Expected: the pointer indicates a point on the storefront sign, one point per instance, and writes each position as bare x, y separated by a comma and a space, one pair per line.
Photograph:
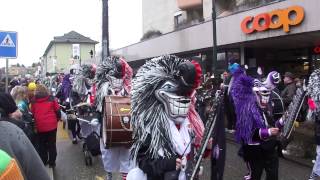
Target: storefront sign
276, 19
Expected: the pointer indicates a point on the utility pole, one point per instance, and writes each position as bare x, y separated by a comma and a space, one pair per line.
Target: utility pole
105, 30
219, 138
7, 75
214, 35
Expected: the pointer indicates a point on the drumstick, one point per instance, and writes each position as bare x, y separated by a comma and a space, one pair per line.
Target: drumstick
84, 120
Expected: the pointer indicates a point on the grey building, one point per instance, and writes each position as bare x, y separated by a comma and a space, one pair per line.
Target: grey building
274, 34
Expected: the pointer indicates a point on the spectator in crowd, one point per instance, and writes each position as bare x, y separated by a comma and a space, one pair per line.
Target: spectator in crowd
298, 82
289, 90
45, 109
31, 88
13, 83
229, 110
287, 95
10, 112
207, 76
19, 152
20, 95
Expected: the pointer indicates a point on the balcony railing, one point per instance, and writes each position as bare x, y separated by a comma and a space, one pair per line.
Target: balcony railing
189, 4
185, 24
227, 7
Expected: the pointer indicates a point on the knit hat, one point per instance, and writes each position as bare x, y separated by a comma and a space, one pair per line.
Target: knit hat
9, 169
7, 104
233, 67
32, 86
289, 75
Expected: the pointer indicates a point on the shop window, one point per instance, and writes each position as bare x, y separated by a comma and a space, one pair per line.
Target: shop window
221, 56
233, 56
194, 16
222, 61
316, 61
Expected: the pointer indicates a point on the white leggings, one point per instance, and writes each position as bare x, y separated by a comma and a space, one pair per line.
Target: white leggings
316, 166
116, 159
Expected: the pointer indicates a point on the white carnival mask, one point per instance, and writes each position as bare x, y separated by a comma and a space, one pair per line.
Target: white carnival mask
176, 106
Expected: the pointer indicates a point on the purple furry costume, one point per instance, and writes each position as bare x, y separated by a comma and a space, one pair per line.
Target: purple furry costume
255, 124
248, 113
66, 86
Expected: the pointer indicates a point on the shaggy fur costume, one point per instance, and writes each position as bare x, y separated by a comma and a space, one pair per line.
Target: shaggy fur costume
248, 113
149, 118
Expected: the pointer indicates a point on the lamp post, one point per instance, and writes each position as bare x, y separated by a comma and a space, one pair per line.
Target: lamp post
105, 30
214, 35
219, 138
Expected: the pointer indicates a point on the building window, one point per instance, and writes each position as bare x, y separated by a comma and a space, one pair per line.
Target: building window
178, 19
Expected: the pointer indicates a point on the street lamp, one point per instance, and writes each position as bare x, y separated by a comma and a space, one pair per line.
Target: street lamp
214, 36
105, 30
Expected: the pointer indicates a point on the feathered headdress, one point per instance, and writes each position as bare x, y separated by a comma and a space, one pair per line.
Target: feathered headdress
148, 115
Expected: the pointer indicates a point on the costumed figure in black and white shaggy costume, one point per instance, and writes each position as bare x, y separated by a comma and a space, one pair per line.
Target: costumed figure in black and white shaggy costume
165, 124
256, 130
113, 78
314, 106
81, 87
82, 83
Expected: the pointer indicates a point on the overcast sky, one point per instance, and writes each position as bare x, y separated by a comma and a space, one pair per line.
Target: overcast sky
38, 21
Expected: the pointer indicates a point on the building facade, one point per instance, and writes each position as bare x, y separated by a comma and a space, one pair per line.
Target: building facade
67, 50
281, 35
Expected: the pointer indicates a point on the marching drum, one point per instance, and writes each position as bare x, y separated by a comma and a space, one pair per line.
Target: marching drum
117, 130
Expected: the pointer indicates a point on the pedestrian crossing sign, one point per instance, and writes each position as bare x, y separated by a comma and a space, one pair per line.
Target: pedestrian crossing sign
8, 44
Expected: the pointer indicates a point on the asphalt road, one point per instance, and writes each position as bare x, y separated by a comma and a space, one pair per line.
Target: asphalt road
71, 165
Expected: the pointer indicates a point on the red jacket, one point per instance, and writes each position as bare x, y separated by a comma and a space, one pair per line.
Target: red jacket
45, 111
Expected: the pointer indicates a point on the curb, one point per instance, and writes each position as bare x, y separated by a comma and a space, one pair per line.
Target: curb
50, 172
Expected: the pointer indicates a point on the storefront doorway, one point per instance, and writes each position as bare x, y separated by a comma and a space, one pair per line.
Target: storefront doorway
297, 61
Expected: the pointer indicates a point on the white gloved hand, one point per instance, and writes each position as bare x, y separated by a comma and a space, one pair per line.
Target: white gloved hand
94, 122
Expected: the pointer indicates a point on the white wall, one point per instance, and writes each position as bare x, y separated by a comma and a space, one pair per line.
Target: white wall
207, 9
228, 32
194, 37
158, 15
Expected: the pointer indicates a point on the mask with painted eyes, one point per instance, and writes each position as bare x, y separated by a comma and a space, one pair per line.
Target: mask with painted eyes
176, 106
262, 93
273, 79
117, 70
116, 83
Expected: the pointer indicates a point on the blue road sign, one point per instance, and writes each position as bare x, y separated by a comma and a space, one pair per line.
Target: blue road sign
8, 44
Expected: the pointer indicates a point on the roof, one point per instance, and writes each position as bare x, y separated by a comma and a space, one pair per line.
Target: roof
72, 37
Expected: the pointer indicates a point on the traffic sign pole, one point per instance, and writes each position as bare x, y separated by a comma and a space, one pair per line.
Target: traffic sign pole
8, 50
7, 74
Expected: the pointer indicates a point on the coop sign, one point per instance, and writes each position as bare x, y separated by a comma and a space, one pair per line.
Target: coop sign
280, 18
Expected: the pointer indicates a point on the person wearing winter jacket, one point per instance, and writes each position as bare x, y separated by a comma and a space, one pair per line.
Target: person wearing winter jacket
10, 112
18, 158
46, 111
